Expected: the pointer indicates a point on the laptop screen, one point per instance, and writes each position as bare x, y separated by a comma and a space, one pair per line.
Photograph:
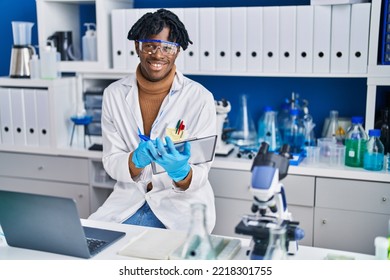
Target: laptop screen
47, 223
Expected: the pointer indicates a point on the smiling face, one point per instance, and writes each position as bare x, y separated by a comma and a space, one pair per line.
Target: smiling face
155, 67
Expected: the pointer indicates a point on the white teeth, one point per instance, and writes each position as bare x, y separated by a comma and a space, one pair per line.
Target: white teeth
157, 65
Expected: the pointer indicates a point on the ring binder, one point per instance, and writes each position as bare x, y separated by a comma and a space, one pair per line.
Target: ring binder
385, 51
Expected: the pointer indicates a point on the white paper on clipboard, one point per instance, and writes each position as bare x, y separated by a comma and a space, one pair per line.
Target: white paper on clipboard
202, 150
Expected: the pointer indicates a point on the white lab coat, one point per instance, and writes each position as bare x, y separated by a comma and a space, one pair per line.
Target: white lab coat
121, 117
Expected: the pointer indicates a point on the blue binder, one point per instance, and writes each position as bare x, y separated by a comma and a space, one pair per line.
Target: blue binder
385, 51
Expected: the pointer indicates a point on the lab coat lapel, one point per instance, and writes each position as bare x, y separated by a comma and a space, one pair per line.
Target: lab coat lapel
132, 101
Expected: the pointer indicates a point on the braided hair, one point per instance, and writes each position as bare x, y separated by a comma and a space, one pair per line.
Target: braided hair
153, 23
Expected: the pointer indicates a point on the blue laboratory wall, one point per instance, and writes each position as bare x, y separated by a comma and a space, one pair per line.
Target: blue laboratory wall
347, 95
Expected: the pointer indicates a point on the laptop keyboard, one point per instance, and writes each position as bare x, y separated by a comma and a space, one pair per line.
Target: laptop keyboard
95, 244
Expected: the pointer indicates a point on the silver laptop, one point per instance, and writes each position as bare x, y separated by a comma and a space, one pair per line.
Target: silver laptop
50, 224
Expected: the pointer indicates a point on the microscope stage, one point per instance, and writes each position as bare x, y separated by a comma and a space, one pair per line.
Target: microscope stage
224, 150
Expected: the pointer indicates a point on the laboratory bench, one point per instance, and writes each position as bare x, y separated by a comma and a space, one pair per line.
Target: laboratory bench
339, 208
342, 209
133, 232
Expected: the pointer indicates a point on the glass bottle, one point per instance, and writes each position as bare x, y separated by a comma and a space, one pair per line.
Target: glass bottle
309, 135
245, 132
294, 132
283, 117
374, 153
277, 246
198, 244
355, 143
383, 124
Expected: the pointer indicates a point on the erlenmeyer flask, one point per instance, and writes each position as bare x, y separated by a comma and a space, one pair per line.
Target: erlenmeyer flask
198, 244
245, 131
277, 247
268, 129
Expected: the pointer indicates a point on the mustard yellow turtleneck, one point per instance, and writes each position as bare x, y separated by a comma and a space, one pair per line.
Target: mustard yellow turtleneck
151, 96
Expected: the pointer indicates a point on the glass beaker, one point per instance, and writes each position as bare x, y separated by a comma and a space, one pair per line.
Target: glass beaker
21, 31
277, 247
245, 131
198, 244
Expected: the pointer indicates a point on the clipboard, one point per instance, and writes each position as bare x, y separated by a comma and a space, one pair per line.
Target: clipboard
202, 150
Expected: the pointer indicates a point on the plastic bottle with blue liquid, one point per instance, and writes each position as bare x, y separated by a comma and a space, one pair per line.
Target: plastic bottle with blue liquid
374, 152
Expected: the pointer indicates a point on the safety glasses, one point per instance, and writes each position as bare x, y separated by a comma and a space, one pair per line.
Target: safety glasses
151, 46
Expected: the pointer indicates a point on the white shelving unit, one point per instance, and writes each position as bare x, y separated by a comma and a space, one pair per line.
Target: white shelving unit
57, 15
64, 15
60, 97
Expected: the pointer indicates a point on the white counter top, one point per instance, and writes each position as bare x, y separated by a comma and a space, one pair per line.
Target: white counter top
320, 170
12, 253
229, 162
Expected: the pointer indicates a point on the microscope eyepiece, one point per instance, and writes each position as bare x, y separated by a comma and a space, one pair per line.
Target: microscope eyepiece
264, 148
285, 151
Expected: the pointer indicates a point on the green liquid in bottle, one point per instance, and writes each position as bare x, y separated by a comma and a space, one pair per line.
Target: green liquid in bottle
354, 152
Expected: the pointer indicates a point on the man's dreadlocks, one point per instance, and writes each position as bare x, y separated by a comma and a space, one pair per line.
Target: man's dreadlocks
152, 24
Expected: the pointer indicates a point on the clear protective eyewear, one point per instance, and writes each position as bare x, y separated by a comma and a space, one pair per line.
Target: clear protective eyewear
151, 46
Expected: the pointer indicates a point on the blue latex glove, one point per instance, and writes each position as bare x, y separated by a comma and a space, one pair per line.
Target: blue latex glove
174, 162
144, 154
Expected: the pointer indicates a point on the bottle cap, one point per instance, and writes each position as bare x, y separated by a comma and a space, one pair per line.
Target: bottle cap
357, 119
267, 108
294, 112
90, 32
374, 132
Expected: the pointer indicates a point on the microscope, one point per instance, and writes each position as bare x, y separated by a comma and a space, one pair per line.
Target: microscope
269, 203
223, 108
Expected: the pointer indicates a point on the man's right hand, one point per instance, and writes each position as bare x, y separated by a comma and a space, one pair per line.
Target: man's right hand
144, 154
